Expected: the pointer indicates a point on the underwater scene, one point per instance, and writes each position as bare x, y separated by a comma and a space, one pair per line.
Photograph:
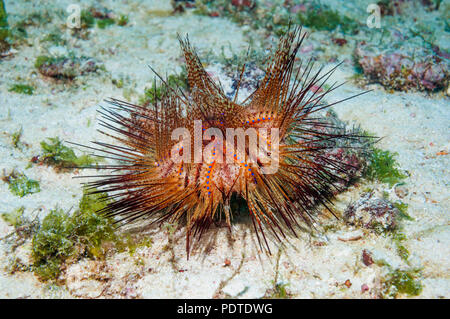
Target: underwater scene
224, 149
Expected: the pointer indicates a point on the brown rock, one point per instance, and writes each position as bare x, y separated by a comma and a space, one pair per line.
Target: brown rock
367, 258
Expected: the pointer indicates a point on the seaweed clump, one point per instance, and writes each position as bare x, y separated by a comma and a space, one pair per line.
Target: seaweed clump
97, 16
275, 17
15, 217
63, 238
55, 37
20, 185
22, 89
61, 157
175, 81
402, 282
384, 168
385, 218
4, 28
16, 139
324, 18
102, 17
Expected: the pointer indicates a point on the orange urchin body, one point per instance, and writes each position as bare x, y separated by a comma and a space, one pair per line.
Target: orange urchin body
149, 182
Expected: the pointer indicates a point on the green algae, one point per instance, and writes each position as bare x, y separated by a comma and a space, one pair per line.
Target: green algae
118, 83
276, 18
22, 89
123, 20
103, 23
403, 210
52, 244
87, 20
403, 252
15, 217
48, 61
18, 30
277, 292
384, 168
245, 14
54, 37
4, 28
92, 229
20, 185
93, 202
327, 19
130, 244
15, 138
39, 17
43, 60
402, 282
155, 93
399, 239
3, 21
63, 238
54, 153
18, 34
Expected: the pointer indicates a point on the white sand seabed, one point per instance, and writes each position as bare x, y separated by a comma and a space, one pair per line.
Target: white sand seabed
414, 125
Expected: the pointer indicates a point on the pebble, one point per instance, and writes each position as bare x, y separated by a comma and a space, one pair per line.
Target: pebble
348, 283
364, 288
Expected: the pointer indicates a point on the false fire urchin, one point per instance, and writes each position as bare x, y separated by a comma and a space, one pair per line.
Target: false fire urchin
149, 181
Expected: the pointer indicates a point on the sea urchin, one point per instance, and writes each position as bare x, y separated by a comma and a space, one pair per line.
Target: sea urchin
281, 176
